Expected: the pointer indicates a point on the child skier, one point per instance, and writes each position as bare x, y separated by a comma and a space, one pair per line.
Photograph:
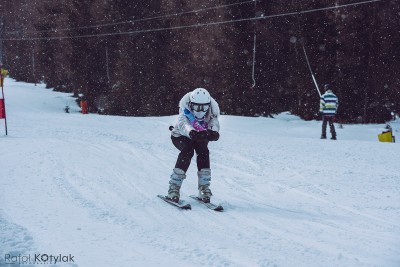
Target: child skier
197, 125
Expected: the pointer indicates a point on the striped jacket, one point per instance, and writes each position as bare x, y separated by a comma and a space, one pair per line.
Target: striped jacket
329, 104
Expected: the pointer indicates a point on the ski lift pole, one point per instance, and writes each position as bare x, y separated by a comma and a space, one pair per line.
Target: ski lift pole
254, 61
312, 75
254, 48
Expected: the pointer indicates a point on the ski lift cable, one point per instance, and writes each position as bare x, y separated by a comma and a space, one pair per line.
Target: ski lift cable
312, 74
135, 20
188, 12
189, 26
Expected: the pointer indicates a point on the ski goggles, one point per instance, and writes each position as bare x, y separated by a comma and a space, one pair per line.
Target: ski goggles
199, 107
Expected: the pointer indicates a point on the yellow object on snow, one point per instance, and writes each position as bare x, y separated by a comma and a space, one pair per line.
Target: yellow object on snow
385, 137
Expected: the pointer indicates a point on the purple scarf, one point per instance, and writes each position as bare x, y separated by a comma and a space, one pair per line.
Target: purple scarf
197, 125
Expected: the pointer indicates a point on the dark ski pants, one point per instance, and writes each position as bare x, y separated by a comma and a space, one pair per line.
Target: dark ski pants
325, 120
187, 147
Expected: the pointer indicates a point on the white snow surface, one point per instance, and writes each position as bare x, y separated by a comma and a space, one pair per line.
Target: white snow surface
86, 185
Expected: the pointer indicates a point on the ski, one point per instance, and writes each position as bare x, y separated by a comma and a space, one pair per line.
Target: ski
208, 205
181, 204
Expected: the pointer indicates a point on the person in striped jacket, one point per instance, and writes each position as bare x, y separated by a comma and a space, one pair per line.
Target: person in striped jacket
328, 107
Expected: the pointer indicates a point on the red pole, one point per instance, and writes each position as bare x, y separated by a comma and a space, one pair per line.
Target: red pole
4, 103
84, 107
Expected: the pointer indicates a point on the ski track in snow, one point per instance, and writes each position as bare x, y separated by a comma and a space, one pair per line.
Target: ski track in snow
87, 186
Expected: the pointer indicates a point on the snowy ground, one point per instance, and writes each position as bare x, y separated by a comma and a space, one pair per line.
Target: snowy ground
86, 185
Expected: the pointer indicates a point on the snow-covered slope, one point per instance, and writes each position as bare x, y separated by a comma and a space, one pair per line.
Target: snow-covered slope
86, 186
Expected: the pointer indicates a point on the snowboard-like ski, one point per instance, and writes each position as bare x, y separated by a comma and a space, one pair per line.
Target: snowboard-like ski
208, 205
181, 204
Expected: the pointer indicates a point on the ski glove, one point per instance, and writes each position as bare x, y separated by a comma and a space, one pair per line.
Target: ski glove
212, 135
198, 136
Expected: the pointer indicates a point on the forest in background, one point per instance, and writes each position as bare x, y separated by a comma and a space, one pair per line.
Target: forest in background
138, 58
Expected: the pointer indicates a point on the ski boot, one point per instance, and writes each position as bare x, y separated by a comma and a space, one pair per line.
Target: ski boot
177, 177
204, 185
323, 136
334, 137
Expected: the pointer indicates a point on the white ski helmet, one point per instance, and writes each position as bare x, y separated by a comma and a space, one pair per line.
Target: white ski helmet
200, 101
200, 96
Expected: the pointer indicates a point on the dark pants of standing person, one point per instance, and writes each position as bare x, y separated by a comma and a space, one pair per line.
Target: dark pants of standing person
187, 147
325, 120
